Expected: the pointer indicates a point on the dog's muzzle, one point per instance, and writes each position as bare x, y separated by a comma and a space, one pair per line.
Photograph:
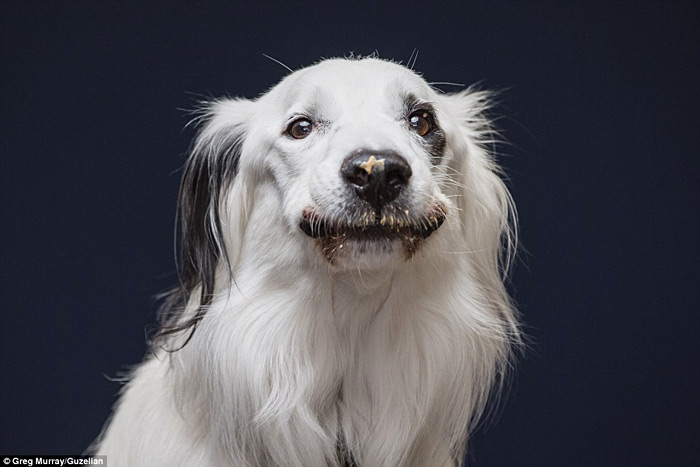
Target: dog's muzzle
378, 214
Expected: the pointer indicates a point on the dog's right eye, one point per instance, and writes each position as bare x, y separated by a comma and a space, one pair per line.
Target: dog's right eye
300, 128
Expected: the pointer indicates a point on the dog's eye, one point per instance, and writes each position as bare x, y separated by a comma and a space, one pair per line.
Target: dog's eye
300, 128
421, 122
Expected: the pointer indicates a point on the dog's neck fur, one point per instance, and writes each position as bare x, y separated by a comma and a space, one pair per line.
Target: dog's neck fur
360, 373
377, 364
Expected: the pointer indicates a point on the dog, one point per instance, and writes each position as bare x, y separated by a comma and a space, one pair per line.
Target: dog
344, 241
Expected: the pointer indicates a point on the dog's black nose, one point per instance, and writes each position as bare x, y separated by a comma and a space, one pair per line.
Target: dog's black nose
377, 177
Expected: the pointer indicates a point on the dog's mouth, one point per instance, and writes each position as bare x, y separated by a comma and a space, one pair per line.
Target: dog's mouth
371, 228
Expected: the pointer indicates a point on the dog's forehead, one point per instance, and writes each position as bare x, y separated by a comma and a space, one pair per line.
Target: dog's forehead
349, 81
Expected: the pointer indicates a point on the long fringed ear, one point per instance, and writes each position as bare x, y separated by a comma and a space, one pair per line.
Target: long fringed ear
209, 174
487, 213
488, 223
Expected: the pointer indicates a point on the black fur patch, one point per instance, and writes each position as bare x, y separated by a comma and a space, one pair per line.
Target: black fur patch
209, 171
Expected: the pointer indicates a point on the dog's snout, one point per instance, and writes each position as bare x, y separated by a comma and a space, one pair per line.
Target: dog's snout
377, 177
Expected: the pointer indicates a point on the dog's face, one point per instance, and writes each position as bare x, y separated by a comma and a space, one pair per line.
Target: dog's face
367, 164
357, 146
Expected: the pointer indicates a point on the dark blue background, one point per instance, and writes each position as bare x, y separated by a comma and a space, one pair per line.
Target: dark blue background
601, 115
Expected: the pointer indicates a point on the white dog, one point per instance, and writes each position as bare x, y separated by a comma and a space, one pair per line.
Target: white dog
341, 302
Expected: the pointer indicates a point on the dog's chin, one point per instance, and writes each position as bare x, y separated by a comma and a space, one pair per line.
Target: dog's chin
370, 240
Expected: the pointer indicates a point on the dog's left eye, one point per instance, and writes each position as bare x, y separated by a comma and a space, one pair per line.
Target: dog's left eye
300, 128
421, 121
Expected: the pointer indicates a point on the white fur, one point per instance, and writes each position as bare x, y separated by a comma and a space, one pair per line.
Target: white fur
396, 356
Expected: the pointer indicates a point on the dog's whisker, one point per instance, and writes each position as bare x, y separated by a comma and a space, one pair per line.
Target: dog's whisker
278, 62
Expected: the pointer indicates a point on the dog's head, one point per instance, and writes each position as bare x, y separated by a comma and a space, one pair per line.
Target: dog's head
359, 162
359, 143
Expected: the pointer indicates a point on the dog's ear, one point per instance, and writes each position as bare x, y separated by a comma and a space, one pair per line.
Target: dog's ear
209, 176
486, 209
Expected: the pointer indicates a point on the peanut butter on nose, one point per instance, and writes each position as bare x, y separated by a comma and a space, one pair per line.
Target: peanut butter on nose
372, 163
